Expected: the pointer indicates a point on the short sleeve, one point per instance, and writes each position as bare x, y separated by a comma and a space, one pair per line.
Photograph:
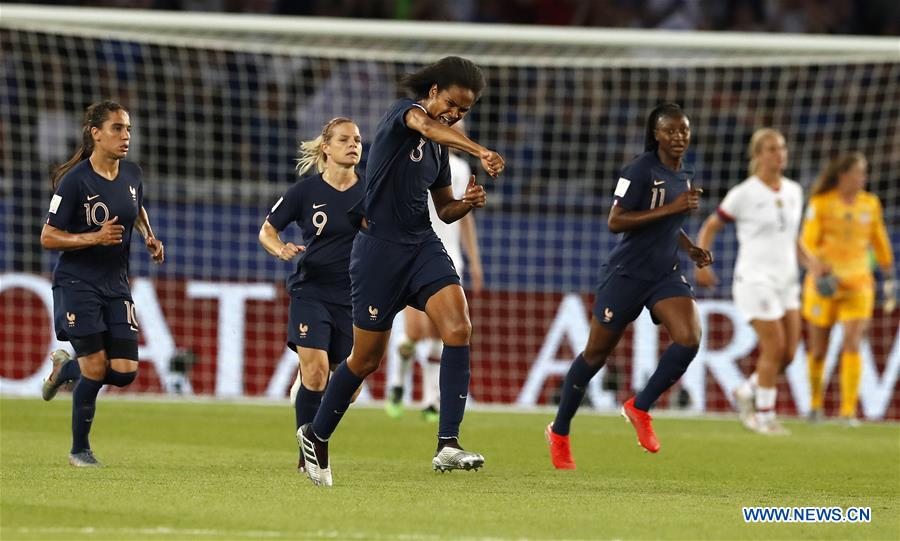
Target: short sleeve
730, 207
443, 177
633, 180
64, 204
398, 113
287, 208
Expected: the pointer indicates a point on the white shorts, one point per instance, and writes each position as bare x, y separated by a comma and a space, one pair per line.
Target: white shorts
765, 301
456, 256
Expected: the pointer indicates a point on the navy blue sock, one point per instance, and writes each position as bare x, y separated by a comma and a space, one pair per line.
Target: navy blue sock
672, 365
306, 405
573, 389
336, 400
69, 371
119, 379
84, 403
454, 383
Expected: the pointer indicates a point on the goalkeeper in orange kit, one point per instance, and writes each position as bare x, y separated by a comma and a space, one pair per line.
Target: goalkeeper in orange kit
843, 224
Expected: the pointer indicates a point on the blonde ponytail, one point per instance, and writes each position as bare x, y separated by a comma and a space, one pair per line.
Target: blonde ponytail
310, 153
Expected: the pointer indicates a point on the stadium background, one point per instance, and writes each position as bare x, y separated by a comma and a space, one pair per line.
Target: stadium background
219, 103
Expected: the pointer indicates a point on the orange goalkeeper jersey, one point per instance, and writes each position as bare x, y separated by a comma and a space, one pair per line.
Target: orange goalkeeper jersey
841, 235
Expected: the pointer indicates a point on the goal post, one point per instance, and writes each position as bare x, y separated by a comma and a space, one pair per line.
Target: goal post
219, 102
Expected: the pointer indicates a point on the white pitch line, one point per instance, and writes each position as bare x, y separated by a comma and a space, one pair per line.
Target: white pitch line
163, 531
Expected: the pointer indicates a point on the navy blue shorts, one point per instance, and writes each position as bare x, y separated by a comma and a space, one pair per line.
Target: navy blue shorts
620, 299
81, 312
386, 277
321, 325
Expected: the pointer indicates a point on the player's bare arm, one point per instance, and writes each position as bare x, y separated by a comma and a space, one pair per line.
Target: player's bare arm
450, 209
109, 234
700, 256
154, 245
621, 220
442, 134
271, 241
711, 226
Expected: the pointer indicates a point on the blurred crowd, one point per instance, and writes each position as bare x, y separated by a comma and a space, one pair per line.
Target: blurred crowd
869, 17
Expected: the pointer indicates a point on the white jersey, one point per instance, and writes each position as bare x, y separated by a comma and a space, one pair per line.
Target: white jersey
449, 233
768, 222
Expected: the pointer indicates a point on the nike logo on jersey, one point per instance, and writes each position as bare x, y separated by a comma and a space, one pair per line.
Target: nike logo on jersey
319, 205
92, 197
658, 182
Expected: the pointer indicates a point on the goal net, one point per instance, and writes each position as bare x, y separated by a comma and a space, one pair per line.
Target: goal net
218, 103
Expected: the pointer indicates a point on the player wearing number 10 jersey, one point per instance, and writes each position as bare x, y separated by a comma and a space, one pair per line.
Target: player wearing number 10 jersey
98, 201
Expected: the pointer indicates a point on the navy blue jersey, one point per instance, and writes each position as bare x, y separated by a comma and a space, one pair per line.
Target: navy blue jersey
85, 200
402, 166
650, 252
321, 212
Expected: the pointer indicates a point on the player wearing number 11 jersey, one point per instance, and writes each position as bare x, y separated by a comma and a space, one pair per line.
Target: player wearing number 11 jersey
651, 200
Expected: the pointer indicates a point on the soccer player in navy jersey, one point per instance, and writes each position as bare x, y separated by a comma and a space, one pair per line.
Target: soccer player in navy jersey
398, 260
651, 200
320, 325
98, 201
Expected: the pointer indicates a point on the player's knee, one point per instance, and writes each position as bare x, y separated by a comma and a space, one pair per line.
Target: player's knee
94, 366
775, 351
594, 356
458, 332
688, 337
315, 377
363, 365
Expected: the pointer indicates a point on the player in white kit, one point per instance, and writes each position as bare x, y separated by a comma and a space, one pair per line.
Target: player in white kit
457, 238
767, 210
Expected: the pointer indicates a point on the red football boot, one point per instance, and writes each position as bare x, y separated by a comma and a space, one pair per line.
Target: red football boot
560, 450
641, 420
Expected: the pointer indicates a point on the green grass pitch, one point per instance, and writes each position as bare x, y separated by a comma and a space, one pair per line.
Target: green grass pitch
227, 471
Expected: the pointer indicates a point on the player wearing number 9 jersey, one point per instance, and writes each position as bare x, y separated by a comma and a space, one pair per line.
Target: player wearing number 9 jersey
651, 200
320, 324
98, 201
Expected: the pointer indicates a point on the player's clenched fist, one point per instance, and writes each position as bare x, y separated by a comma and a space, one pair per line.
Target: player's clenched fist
289, 251
492, 162
156, 248
689, 200
110, 233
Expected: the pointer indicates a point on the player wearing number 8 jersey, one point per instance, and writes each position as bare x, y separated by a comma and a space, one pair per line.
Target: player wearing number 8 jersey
320, 324
651, 201
98, 201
